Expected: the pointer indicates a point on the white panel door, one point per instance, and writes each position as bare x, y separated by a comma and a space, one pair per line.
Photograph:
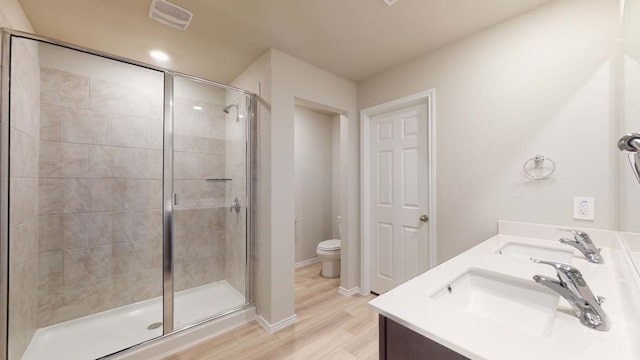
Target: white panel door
399, 196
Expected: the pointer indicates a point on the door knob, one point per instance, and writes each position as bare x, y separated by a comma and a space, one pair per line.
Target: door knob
424, 218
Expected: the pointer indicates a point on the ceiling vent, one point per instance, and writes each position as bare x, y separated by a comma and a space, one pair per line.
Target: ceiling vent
170, 14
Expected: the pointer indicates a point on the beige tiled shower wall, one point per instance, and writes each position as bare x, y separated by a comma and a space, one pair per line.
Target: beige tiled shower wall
236, 229
23, 183
199, 157
100, 169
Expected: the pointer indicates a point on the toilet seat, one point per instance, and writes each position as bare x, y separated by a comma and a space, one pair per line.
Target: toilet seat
329, 245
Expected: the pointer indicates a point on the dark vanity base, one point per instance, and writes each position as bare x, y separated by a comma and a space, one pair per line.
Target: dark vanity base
399, 343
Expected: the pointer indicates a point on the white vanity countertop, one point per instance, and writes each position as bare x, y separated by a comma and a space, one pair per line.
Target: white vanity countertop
476, 337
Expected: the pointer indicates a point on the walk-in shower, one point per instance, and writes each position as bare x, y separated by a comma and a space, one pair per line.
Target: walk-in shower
117, 183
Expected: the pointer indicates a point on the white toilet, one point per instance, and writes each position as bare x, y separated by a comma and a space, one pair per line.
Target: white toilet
329, 253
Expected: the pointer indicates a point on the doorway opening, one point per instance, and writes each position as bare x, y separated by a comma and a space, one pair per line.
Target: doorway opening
317, 201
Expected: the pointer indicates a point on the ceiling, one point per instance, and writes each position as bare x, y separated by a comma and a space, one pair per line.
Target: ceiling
352, 38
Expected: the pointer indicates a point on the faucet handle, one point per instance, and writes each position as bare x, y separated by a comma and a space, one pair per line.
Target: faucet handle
555, 264
569, 241
565, 272
578, 235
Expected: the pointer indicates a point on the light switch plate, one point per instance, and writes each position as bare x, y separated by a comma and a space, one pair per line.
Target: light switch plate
584, 208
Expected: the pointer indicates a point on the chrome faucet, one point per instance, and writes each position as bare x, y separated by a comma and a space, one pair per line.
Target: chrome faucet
572, 286
583, 243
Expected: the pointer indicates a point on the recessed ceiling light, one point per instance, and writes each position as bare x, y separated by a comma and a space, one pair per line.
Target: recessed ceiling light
390, 2
241, 116
159, 55
197, 108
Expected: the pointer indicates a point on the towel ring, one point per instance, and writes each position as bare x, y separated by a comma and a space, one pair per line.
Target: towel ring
538, 162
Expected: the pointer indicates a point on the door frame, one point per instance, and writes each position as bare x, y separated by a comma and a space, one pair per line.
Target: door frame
425, 97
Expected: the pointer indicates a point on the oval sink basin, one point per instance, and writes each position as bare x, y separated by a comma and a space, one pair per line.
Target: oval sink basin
537, 252
522, 305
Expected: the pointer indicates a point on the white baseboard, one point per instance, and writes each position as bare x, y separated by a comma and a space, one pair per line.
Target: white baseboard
271, 328
308, 262
348, 292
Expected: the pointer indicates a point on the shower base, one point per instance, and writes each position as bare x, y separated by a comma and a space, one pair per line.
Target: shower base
97, 335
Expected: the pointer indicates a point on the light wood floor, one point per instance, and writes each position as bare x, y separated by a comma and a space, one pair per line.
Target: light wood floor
329, 326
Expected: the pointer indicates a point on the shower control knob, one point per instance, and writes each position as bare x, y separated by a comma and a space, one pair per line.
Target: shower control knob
424, 218
235, 206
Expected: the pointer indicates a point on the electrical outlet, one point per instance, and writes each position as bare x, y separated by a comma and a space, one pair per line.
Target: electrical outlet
583, 208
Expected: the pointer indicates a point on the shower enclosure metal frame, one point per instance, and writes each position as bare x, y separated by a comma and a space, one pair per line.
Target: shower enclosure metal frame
167, 186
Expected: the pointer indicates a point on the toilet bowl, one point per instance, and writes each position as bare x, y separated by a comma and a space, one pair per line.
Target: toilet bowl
329, 253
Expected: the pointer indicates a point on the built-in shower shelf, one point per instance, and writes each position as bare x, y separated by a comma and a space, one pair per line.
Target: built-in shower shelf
219, 179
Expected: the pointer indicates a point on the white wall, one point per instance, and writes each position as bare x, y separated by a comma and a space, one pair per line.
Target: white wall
313, 181
629, 187
283, 80
13, 17
294, 79
538, 83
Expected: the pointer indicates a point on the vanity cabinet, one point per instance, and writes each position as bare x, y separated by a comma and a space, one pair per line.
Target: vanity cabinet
400, 343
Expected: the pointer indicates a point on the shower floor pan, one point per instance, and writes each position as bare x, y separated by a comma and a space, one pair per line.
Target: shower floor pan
97, 335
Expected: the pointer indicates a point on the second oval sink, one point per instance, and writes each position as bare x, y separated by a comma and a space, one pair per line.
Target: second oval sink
538, 252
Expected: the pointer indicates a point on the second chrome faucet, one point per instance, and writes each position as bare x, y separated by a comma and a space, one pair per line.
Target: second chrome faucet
583, 243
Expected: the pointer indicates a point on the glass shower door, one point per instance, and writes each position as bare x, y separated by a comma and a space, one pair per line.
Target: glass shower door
210, 200
85, 203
